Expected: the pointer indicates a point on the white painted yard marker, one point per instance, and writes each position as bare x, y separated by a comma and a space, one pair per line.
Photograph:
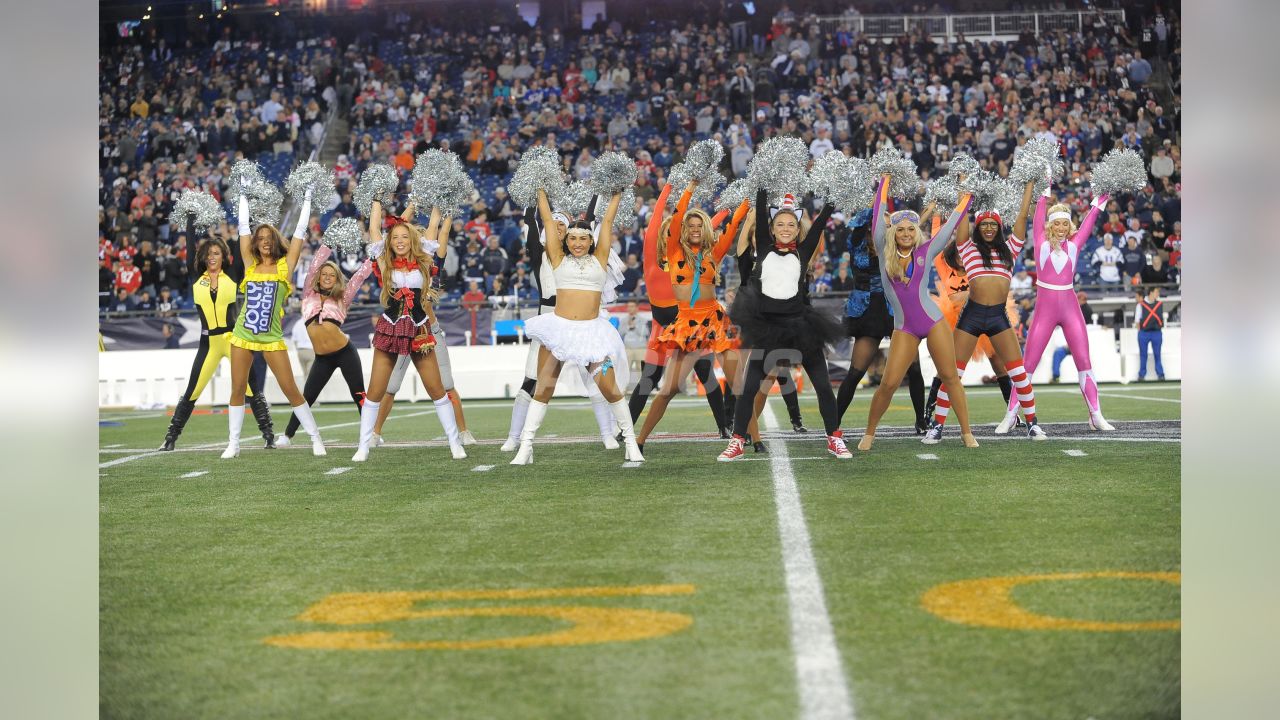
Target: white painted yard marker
1076, 453
482, 468
115, 445
337, 471
197, 473
630, 464
819, 674
927, 456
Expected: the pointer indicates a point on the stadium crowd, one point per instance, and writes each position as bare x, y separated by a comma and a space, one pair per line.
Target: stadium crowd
177, 117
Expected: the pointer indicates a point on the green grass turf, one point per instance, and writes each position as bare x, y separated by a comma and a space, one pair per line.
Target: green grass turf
196, 572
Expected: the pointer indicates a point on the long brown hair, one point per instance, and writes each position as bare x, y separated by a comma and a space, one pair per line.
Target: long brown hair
281, 248
424, 261
339, 287
202, 254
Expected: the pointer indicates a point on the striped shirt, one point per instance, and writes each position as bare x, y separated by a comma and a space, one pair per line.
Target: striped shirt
974, 267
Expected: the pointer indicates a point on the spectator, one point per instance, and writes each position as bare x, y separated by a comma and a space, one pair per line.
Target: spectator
1157, 273
1162, 165
635, 336
170, 337
128, 276
1135, 232
1108, 259
1132, 261
1173, 245
494, 261
1020, 285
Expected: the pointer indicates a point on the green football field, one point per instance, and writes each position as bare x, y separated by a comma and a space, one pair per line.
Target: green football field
1017, 580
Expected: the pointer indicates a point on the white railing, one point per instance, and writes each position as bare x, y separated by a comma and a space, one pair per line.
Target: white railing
1006, 25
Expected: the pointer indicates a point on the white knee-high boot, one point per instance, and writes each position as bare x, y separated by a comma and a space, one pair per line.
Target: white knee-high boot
368, 418
532, 421
519, 409
303, 413
235, 421
607, 422
444, 411
622, 414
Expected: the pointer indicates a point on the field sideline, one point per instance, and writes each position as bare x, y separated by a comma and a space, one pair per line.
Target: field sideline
1016, 580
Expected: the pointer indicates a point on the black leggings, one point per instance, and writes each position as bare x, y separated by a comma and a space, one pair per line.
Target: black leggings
348, 361
651, 378
758, 367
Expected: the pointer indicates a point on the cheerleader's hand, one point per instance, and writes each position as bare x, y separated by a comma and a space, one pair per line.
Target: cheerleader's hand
244, 182
1100, 201
1048, 178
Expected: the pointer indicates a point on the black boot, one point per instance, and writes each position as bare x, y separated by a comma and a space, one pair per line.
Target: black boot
793, 409
181, 413
262, 413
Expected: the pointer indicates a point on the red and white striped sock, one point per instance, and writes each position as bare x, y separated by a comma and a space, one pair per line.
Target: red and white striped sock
943, 408
1022, 384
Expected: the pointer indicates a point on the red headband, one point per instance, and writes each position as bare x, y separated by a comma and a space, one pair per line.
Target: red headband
988, 215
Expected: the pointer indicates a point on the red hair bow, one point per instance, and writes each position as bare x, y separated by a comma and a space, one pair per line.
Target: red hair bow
390, 221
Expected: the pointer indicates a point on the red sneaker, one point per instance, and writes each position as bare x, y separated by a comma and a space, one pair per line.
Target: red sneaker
836, 446
734, 451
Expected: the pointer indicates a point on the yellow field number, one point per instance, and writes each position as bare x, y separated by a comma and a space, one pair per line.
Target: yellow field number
588, 624
985, 602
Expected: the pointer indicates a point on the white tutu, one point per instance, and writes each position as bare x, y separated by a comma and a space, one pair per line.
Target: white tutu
581, 342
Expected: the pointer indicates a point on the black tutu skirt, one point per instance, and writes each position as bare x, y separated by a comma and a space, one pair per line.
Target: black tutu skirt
807, 331
874, 322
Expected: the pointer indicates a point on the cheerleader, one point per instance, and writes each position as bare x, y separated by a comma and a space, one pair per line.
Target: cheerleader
868, 320
1056, 246
326, 298
544, 280
266, 286
576, 333
663, 307
776, 323
435, 235
214, 295
987, 258
404, 267
701, 326
904, 274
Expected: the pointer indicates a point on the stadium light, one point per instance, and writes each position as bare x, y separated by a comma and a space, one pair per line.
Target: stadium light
277, 13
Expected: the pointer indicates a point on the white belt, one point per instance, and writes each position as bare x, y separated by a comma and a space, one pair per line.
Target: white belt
1051, 286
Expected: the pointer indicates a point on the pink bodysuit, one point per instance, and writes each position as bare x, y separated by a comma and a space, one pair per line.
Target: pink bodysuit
1056, 303
321, 308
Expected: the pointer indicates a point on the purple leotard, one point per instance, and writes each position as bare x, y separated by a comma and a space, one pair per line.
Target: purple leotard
913, 312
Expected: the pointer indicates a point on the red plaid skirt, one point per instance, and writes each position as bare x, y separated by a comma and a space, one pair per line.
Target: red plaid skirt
402, 337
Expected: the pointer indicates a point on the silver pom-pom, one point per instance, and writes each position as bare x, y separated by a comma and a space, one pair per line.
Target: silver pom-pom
704, 158
709, 183
345, 235
1003, 196
982, 183
612, 172
315, 176
575, 199
779, 167
246, 175
904, 178
732, 196
201, 207
963, 164
942, 191
1120, 171
377, 182
625, 218
1038, 161
539, 168
264, 204
845, 182
440, 181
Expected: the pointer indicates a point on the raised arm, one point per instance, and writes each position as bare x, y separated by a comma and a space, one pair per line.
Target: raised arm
194, 272
1090, 218
652, 229
246, 231
442, 235
355, 282
1020, 224
764, 238
940, 238
878, 220
604, 240
816, 229
317, 260
375, 222
730, 233
554, 249
299, 233
411, 213
433, 231
1039, 224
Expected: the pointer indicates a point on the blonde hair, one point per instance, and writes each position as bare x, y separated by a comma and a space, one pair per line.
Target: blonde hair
1061, 208
708, 235
424, 261
281, 248
338, 288
663, 229
892, 264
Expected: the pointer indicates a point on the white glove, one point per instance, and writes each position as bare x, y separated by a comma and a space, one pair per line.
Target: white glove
304, 218
244, 214
1100, 201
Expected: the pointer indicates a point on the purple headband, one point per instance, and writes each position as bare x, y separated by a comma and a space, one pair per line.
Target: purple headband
901, 215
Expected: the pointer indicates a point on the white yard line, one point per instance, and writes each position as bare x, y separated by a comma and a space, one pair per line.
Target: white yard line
1127, 396
1076, 453
196, 473
337, 470
483, 468
824, 693
927, 456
